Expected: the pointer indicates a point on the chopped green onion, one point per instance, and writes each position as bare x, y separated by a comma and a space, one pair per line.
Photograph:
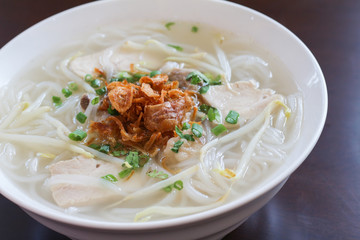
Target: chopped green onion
95, 83
169, 24
154, 73
232, 117
95, 100
194, 29
197, 130
178, 48
216, 80
133, 159
121, 76
88, 78
177, 146
204, 108
124, 173
101, 91
77, 135
57, 101
168, 188
105, 148
110, 178
95, 146
119, 153
157, 174
185, 126
218, 129
67, 93
137, 76
198, 77
73, 86
213, 114
112, 111
81, 117
185, 136
178, 185
204, 89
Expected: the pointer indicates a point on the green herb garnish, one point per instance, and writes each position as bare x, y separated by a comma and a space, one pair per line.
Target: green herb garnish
101, 91
95, 146
110, 178
66, 92
88, 78
81, 117
218, 129
177, 146
185, 126
112, 111
169, 24
157, 174
194, 29
232, 117
77, 135
95, 100
197, 77
179, 185
197, 130
154, 73
204, 89
213, 114
57, 101
185, 136
178, 48
126, 172
73, 86
105, 148
95, 83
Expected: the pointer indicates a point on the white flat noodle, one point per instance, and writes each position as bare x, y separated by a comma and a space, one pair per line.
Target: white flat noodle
249, 101
67, 182
115, 59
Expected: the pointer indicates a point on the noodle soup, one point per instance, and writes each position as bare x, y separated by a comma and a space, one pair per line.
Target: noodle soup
183, 115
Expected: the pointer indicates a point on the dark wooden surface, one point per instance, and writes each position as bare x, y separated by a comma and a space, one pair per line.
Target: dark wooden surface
321, 200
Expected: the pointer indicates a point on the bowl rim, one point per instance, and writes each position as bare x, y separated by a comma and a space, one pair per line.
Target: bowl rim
197, 217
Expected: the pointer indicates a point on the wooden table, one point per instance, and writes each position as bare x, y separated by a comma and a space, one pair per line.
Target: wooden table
321, 200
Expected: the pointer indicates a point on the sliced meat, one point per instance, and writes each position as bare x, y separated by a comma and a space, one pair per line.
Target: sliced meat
165, 116
180, 76
188, 150
249, 101
77, 194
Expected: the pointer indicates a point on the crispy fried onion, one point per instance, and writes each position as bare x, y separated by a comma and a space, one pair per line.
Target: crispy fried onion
148, 113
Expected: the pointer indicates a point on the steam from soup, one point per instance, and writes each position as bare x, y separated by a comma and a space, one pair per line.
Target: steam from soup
34, 132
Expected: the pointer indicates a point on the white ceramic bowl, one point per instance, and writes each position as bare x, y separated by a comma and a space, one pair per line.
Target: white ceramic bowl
272, 36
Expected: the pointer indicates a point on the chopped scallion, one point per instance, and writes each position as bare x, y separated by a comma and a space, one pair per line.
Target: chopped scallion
112, 111
178, 48
73, 86
177, 146
154, 73
178, 185
88, 78
77, 135
197, 130
110, 178
204, 89
218, 129
81, 117
67, 93
95, 100
105, 148
169, 24
213, 114
95, 83
95, 146
194, 29
157, 174
232, 117
124, 173
101, 91
185, 126
57, 101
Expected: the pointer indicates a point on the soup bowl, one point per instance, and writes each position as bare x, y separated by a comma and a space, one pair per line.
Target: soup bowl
260, 29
